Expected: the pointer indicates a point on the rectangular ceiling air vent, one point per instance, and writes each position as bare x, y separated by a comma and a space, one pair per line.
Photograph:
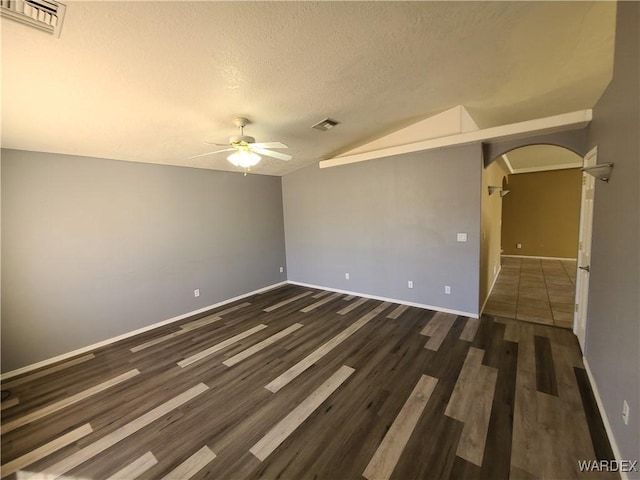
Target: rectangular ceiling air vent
45, 15
326, 124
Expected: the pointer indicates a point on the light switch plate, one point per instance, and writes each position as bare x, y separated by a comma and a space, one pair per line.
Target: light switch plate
462, 237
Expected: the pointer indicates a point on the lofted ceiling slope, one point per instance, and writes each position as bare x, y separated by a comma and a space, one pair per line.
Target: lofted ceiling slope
152, 81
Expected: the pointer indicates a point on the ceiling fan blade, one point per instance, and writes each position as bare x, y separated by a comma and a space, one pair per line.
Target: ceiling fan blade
216, 144
211, 153
269, 153
269, 145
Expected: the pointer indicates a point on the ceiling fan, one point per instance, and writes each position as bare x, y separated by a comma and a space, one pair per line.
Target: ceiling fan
246, 152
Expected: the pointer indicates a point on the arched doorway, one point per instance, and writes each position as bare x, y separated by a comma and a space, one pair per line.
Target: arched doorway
539, 225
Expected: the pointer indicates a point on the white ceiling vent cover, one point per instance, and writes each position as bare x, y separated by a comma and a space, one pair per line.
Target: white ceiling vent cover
45, 15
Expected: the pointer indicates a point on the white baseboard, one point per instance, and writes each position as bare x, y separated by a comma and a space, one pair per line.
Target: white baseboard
603, 414
493, 284
64, 356
385, 299
540, 258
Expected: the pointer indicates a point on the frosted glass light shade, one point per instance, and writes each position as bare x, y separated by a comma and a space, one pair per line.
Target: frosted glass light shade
244, 159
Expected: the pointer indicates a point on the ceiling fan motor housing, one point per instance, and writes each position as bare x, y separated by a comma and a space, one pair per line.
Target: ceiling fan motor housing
241, 140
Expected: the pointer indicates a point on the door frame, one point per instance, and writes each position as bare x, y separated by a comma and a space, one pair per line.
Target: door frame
584, 249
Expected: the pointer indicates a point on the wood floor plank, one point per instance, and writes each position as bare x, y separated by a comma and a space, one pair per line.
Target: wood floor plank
474, 433
501, 355
545, 369
65, 402
530, 434
12, 402
281, 431
598, 433
512, 331
45, 450
399, 310
461, 399
183, 329
322, 294
518, 474
348, 298
526, 434
471, 403
219, 346
323, 350
201, 322
233, 309
286, 302
109, 440
262, 345
463, 470
438, 328
470, 329
388, 453
47, 371
135, 468
319, 303
191, 465
352, 306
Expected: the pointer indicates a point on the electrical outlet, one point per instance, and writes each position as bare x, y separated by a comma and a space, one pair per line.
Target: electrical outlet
625, 412
518, 245
346, 276
447, 290
410, 284
281, 269
196, 292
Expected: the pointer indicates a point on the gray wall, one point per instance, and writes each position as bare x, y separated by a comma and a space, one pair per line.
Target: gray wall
613, 328
574, 140
388, 221
94, 248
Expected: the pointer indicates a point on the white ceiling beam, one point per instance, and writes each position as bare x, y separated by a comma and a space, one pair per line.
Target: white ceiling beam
539, 126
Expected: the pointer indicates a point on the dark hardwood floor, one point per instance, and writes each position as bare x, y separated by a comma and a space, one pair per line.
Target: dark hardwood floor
298, 383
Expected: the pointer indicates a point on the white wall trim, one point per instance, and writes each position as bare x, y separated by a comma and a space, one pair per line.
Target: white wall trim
547, 168
540, 258
603, 414
493, 284
538, 126
507, 163
64, 356
386, 299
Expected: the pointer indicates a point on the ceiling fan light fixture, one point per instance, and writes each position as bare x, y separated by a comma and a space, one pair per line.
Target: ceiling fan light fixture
244, 159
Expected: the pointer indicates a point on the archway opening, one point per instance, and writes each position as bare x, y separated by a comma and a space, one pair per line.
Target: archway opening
531, 235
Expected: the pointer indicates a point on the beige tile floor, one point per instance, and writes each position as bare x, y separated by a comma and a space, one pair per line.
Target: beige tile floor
535, 290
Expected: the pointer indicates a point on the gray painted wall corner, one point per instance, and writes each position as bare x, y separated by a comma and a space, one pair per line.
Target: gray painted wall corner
94, 248
389, 221
613, 327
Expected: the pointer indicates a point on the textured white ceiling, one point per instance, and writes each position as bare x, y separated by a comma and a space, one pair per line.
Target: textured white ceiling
152, 81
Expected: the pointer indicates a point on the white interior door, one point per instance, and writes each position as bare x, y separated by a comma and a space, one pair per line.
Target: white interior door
584, 249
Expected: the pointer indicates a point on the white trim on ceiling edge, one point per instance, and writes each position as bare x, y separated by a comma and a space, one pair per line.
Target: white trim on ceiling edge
538, 126
64, 356
386, 299
539, 258
507, 163
603, 414
547, 168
